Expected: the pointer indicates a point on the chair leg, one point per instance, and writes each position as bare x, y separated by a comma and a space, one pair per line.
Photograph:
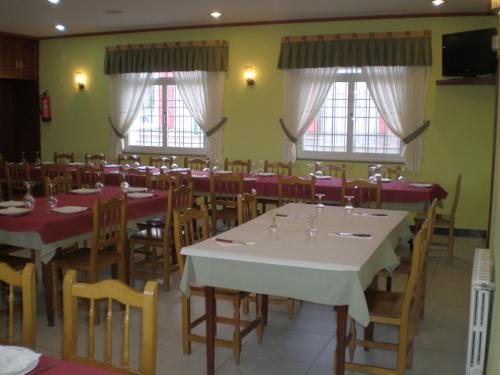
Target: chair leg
291, 306
131, 266
369, 334
186, 324
352, 342
55, 291
388, 283
451, 243
403, 347
258, 314
236, 332
245, 305
166, 268
47, 286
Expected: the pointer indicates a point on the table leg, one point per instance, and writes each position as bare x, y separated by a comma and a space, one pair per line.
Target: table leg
341, 340
265, 306
210, 328
47, 290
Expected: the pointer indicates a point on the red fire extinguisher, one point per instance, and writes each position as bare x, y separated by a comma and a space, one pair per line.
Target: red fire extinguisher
45, 110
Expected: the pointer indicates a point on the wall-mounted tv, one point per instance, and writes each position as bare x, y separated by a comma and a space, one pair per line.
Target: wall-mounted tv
469, 53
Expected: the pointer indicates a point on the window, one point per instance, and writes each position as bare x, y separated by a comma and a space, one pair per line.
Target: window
164, 123
349, 126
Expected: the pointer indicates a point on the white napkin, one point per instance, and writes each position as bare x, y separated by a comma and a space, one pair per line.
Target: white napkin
266, 174
323, 177
15, 360
12, 204
14, 211
140, 195
68, 210
223, 172
84, 191
137, 189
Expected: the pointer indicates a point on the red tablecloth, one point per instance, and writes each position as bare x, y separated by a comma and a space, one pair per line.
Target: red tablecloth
54, 227
67, 368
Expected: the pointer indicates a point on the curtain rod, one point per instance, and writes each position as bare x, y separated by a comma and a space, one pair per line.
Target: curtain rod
352, 36
197, 43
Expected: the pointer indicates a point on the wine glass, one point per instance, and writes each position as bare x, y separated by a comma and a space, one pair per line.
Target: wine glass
174, 164
372, 179
320, 205
401, 178
29, 199
273, 228
38, 161
216, 166
253, 169
52, 199
310, 166
348, 208
99, 185
23, 159
260, 167
124, 186
206, 169
318, 172
312, 230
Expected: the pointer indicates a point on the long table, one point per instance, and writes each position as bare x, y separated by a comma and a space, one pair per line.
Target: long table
332, 270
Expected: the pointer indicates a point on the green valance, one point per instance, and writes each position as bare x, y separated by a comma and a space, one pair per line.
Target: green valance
167, 57
347, 50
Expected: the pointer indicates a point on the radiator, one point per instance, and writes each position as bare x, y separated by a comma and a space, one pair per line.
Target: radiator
482, 289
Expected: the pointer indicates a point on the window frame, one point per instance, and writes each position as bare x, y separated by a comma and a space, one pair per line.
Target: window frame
349, 155
155, 150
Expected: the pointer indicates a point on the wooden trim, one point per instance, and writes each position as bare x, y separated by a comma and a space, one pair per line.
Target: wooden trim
275, 22
197, 43
490, 81
357, 36
15, 35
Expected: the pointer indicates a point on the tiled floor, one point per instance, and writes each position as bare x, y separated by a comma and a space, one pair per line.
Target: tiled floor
305, 345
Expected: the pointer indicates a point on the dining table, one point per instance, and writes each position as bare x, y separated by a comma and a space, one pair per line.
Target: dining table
327, 255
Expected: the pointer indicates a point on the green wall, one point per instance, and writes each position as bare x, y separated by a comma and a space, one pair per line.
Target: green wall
459, 139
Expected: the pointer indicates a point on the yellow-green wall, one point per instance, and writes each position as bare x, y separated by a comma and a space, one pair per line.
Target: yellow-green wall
459, 139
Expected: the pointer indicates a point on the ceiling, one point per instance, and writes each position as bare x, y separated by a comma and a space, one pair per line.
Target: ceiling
38, 17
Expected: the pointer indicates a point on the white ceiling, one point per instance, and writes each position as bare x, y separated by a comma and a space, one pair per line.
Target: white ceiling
37, 17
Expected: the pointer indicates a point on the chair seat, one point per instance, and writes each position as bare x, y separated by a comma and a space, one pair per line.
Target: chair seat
149, 234
227, 212
80, 259
158, 222
15, 262
384, 304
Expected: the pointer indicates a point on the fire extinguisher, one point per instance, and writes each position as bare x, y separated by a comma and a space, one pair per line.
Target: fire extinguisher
45, 110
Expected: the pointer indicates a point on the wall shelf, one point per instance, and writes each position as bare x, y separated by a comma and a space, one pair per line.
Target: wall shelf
490, 81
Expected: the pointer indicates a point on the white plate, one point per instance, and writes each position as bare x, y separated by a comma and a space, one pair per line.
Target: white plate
11, 204
223, 172
14, 211
384, 180
323, 177
76, 163
137, 189
112, 165
140, 195
420, 185
16, 360
266, 174
83, 191
249, 178
181, 169
68, 210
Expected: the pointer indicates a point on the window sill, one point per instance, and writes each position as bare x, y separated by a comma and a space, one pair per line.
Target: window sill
163, 151
366, 158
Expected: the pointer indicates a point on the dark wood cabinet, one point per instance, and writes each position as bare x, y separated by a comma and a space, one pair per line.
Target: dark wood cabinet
18, 58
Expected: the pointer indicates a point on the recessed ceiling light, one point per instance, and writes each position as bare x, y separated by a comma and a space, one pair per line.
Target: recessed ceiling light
438, 2
60, 27
54, 1
215, 14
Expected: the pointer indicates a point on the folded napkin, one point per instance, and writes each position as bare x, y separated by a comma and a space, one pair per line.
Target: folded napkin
15, 360
68, 210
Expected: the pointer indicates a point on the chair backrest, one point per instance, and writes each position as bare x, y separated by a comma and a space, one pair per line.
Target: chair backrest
64, 157
457, 196
195, 164
109, 230
334, 170
190, 226
160, 161
296, 190
17, 174
224, 189
137, 177
387, 172
247, 206
26, 280
281, 169
184, 178
238, 166
53, 171
88, 176
128, 159
59, 184
110, 290
179, 199
95, 159
363, 191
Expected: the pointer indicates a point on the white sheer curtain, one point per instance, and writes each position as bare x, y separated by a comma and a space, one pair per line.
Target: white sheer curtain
127, 94
203, 93
305, 91
399, 93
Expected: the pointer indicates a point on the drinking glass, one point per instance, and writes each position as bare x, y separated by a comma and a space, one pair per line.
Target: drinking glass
174, 164
29, 199
401, 178
216, 166
320, 205
38, 161
99, 185
254, 168
310, 166
52, 199
373, 170
273, 228
348, 208
312, 230
124, 186
318, 172
206, 170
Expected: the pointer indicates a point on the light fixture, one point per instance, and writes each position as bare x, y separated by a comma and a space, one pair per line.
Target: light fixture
249, 75
215, 14
54, 1
60, 27
495, 6
80, 80
438, 2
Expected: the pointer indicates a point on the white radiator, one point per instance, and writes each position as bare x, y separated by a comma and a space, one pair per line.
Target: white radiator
482, 288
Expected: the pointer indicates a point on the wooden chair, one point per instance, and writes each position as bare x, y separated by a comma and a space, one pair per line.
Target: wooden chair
95, 160
153, 237
445, 221
87, 176
64, 158
195, 164
17, 175
51, 172
238, 166
60, 185
129, 159
296, 190
110, 290
387, 172
224, 190
190, 227
397, 309
246, 206
364, 192
279, 168
334, 170
160, 161
137, 177
109, 236
26, 280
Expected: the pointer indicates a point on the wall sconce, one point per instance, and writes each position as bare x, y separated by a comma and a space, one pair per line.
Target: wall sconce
80, 80
495, 6
249, 75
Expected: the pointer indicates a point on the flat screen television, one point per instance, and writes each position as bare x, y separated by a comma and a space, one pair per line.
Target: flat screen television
469, 53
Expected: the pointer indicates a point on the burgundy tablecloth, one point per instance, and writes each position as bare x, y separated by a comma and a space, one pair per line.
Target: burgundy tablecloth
53, 227
66, 368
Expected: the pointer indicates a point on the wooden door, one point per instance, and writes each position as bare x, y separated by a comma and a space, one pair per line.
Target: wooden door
8, 59
27, 59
